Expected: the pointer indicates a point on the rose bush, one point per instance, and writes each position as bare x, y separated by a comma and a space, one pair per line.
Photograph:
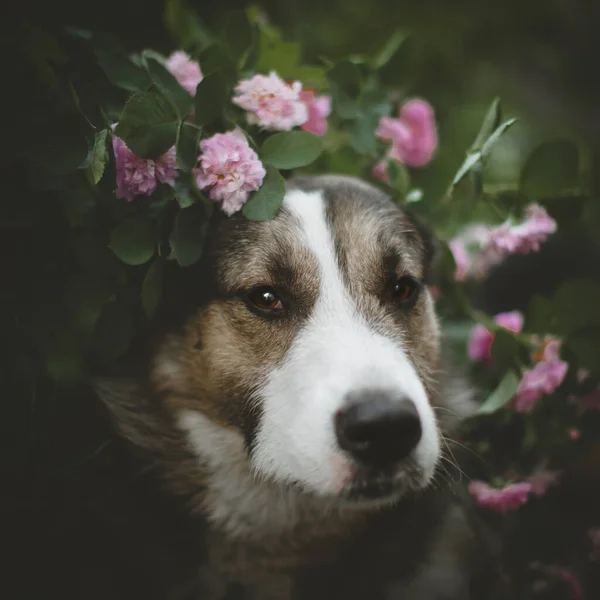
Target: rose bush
137, 150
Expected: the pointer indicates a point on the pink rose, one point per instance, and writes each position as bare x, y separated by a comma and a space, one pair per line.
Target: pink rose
318, 108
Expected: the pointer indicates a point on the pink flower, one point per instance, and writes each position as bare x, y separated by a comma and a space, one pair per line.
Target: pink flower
500, 500
271, 103
318, 108
544, 378
185, 70
541, 480
230, 168
510, 239
461, 258
481, 340
140, 176
594, 535
574, 434
413, 134
379, 171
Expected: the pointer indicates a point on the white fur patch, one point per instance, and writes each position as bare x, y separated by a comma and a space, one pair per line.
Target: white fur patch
335, 353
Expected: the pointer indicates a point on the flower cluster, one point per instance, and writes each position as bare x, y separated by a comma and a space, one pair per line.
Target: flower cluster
412, 136
500, 499
139, 176
229, 169
481, 340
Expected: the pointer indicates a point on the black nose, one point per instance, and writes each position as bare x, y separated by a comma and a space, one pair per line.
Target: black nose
377, 429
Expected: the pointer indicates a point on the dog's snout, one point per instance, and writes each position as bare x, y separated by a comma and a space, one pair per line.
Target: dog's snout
378, 429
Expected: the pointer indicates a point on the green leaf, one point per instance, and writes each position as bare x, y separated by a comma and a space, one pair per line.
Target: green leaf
275, 54
541, 316
550, 169
345, 82
577, 305
266, 202
501, 396
585, 345
239, 36
489, 125
152, 288
118, 67
468, 164
211, 96
493, 139
185, 26
86, 296
169, 86
388, 51
113, 331
134, 240
183, 194
505, 348
291, 149
64, 357
189, 234
398, 177
148, 125
99, 157
187, 146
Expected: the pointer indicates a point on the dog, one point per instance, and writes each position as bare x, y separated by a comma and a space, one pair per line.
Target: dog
298, 404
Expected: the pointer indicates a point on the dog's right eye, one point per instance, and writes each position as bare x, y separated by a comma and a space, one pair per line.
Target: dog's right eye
265, 299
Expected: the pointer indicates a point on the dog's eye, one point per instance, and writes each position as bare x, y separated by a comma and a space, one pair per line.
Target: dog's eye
405, 290
265, 298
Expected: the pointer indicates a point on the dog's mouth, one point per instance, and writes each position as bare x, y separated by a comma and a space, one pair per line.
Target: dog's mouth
383, 486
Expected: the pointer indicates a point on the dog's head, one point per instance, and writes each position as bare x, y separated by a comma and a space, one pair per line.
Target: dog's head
310, 366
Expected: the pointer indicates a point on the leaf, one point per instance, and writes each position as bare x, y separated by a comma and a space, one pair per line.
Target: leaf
398, 176
275, 54
551, 168
64, 357
211, 96
134, 240
389, 50
187, 146
577, 305
148, 125
169, 86
585, 346
189, 234
152, 288
291, 149
501, 396
239, 36
86, 296
541, 316
118, 67
185, 26
264, 204
505, 348
345, 81
498, 133
468, 164
99, 156
113, 331
489, 125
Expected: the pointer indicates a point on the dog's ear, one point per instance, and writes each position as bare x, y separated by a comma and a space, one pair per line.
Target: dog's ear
429, 244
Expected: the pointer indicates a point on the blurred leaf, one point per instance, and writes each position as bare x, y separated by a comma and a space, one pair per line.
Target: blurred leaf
64, 357
152, 288
211, 96
505, 348
398, 177
541, 316
585, 345
496, 135
468, 164
345, 82
169, 86
183, 194
217, 58
76, 205
99, 156
185, 26
187, 146
291, 149
134, 240
551, 168
43, 51
275, 54
489, 125
118, 67
113, 331
501, 396
189, 234
577, 305
148, 125
389, 49
266, 202
239, 36
86, 296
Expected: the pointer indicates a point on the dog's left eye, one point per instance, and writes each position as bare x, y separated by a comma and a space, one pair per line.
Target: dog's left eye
405, 290
265, 298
